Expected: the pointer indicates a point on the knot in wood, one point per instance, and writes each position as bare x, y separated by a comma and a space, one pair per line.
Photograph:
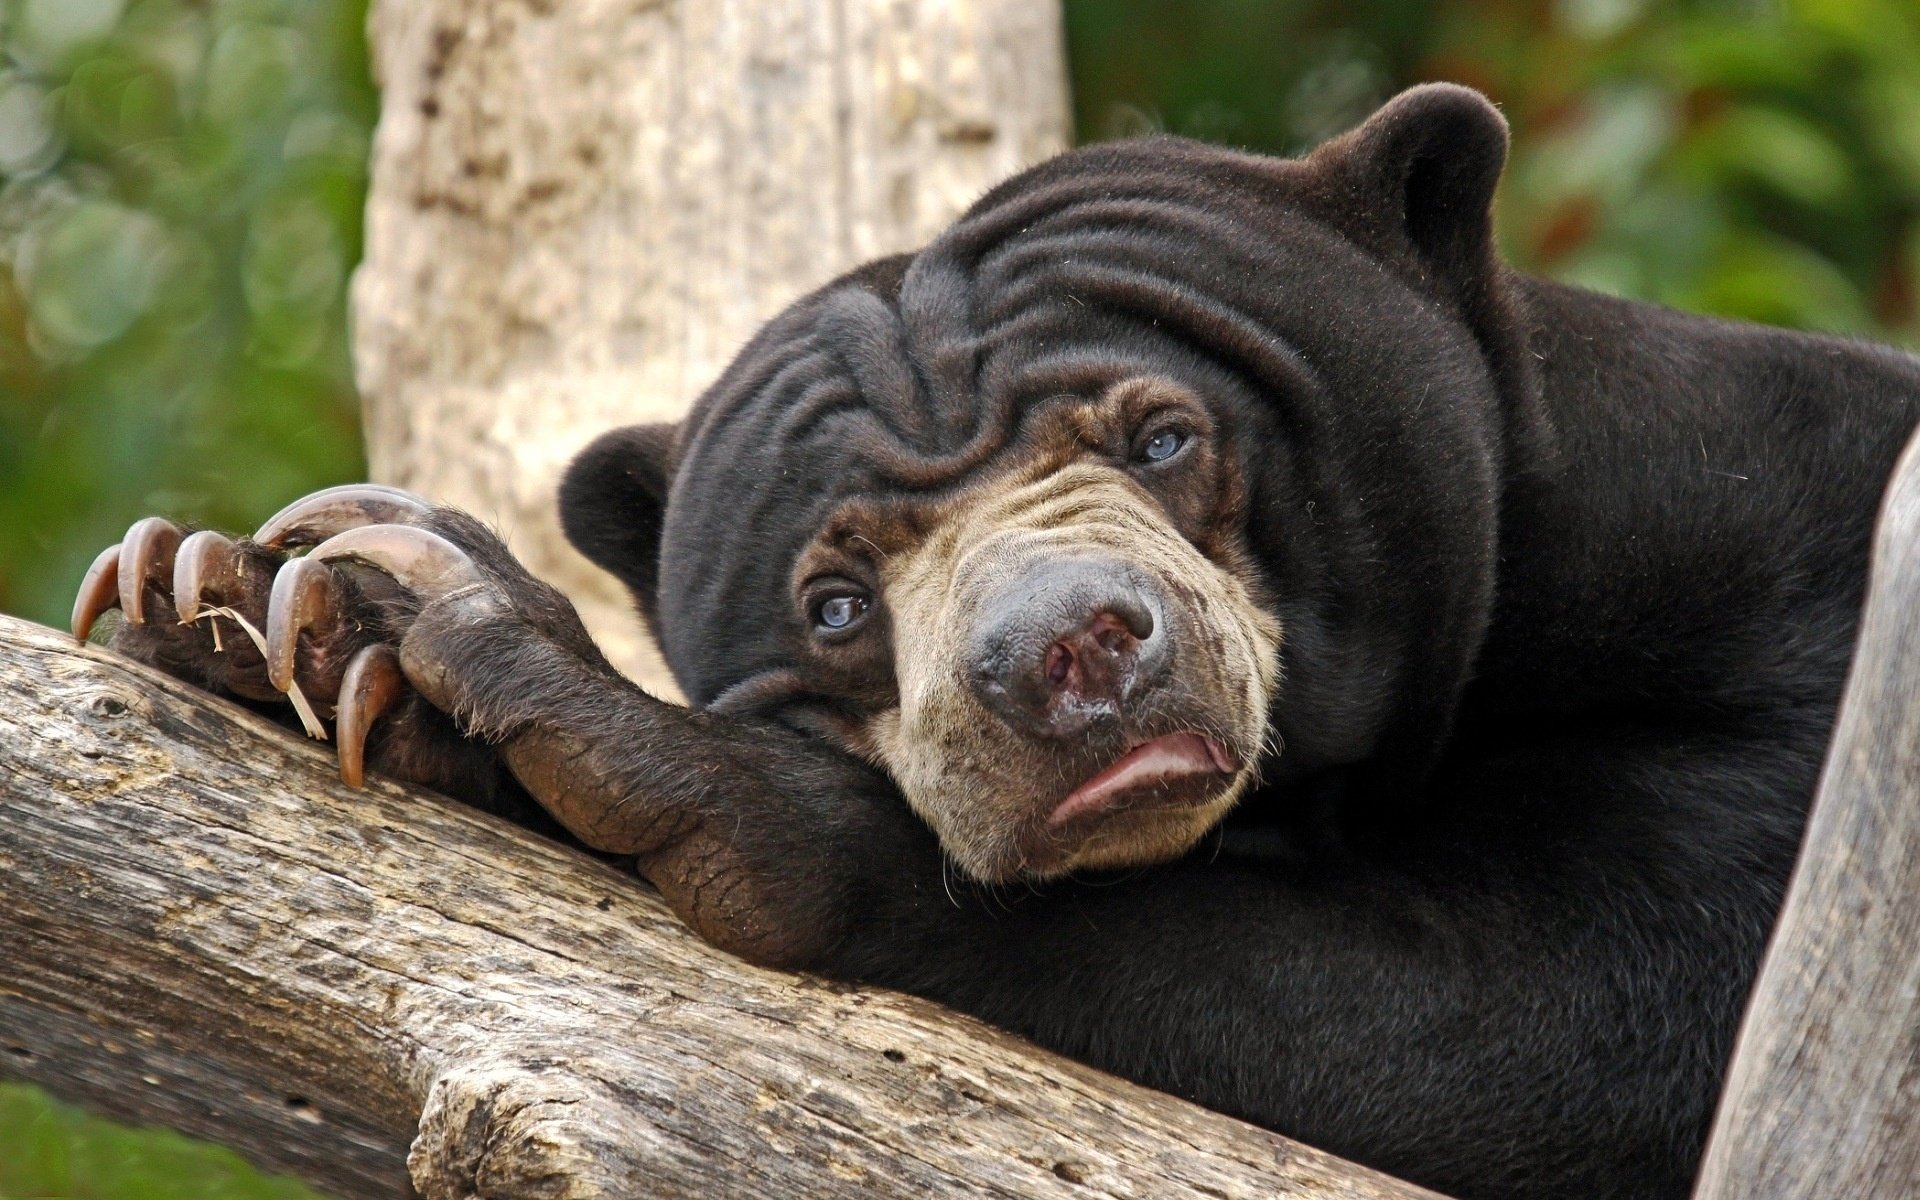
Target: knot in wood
519, 1130
108, 705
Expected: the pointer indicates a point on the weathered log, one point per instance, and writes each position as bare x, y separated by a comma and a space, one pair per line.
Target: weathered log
1823, 1098
580, 211
199, 926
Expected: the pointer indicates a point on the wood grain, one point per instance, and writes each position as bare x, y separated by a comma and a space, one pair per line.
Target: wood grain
1823, 1098
199, 926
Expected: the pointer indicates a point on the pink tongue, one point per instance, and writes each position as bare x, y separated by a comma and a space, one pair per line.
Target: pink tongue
1175, 756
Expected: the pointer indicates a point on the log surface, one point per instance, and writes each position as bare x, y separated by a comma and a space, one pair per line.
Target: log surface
1823, 1097
199, 926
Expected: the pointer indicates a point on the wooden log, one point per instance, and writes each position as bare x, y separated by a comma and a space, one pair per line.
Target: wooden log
579, 212
200, 926
1823, 1098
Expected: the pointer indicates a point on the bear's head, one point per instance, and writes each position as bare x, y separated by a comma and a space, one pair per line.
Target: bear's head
1164, 471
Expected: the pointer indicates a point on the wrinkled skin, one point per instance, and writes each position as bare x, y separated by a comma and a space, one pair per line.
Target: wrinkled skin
1480, 638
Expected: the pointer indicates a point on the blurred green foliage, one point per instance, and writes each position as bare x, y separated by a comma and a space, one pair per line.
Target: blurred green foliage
53, 1151
181, 184
1755, 158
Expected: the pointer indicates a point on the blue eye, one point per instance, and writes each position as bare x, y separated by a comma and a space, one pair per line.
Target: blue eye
1162, 446
838, 612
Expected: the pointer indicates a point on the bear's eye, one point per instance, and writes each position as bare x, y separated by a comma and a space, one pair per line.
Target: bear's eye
1161, 446
835, 613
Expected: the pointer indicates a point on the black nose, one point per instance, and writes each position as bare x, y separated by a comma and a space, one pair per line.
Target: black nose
1065, 644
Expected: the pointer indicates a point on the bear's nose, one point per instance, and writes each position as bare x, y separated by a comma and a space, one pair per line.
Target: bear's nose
1094, 664
1064, 645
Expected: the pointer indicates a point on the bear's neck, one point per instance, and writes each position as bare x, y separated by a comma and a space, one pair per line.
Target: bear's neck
1701, 473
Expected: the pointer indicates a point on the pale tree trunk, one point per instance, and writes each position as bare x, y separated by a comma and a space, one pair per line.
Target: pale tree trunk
581, 210
1823, 1098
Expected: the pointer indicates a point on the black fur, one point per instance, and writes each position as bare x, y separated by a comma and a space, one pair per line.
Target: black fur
1568, 583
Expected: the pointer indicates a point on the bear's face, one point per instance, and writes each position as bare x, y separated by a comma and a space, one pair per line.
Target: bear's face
1081, 673
1165, 470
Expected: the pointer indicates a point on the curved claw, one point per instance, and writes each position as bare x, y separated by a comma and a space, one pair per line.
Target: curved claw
205, 561
315, 518
302, 594
421, 561
99, 591
146, 553
372, 683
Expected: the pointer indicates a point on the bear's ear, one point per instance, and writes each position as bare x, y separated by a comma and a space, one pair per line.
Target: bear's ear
1422, 171
613, 504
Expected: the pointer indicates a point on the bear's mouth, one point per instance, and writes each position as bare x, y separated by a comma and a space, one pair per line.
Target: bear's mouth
1170, 770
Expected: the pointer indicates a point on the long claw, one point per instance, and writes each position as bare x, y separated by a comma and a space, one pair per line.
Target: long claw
99, 591
419, 560
313, 519
204, 562
146, 554
302, 594
372, 683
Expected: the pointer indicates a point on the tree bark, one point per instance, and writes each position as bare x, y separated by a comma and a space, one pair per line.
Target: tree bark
580, 212
202, 927
1823, 1098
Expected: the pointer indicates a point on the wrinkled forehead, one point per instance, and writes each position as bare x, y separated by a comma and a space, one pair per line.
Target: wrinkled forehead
914, 376
844, 432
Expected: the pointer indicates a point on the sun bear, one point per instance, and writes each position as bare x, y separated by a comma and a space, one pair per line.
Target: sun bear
1203, 612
